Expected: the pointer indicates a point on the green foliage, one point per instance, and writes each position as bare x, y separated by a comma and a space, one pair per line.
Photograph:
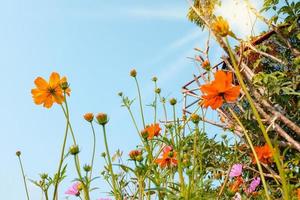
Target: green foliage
206, 8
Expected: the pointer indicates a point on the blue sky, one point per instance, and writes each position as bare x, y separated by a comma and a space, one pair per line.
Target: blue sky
94, 43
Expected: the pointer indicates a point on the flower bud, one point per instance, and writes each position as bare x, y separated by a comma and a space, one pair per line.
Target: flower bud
195, 118
136, 155
206, 65
64, 85
154, 79
139, 158
102, 118
74, 150
18, 153
44, 176
220, 26
157, 90
173, 101
120, 94
103, 154
133, 73
169, 125
87, 168
88, 117
144, 134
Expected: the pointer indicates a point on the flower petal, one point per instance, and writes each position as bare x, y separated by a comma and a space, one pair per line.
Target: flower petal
54, 80
41, 83
232, 94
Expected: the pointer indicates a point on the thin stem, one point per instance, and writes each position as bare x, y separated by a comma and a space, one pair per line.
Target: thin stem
24, 178
195, 152
155, 102
76, 157
94, 149
85, 189
254, 153
178, 154
61, 161
46, 195
116, 193
162, 100
140, 101
67, 115
259, 121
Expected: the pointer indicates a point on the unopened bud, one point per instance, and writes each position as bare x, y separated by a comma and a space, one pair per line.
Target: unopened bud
88, 117
87, 168
157, 90
18, 153
103, 154
195, 118
102, 118
64, 85
44, 176
173, 101
74, 150
133, 73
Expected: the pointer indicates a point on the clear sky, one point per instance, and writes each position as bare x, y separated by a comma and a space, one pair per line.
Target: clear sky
94, 43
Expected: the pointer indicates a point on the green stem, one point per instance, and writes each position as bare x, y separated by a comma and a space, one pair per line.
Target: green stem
163, 101
178, 154
77, 162
67, 115
140, 101
155, 103
259, 121
116, 193
84, 187
195, 152
24, 178
46, 194
61, 161
254, 153
94, 149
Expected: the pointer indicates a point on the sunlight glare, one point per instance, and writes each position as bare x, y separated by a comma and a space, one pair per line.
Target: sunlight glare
240, 18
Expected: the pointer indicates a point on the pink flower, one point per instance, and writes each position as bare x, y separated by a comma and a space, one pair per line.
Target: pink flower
74, 189
253, 185
236, 170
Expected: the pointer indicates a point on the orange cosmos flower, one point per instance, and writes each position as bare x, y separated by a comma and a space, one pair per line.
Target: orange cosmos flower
219, 90
168, 158
264, 154
153, 130
298, 193
47, 93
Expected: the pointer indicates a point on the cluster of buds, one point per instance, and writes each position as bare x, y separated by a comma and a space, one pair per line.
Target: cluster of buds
136, 155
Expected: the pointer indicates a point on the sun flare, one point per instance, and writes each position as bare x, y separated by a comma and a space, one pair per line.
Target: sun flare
240, 18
